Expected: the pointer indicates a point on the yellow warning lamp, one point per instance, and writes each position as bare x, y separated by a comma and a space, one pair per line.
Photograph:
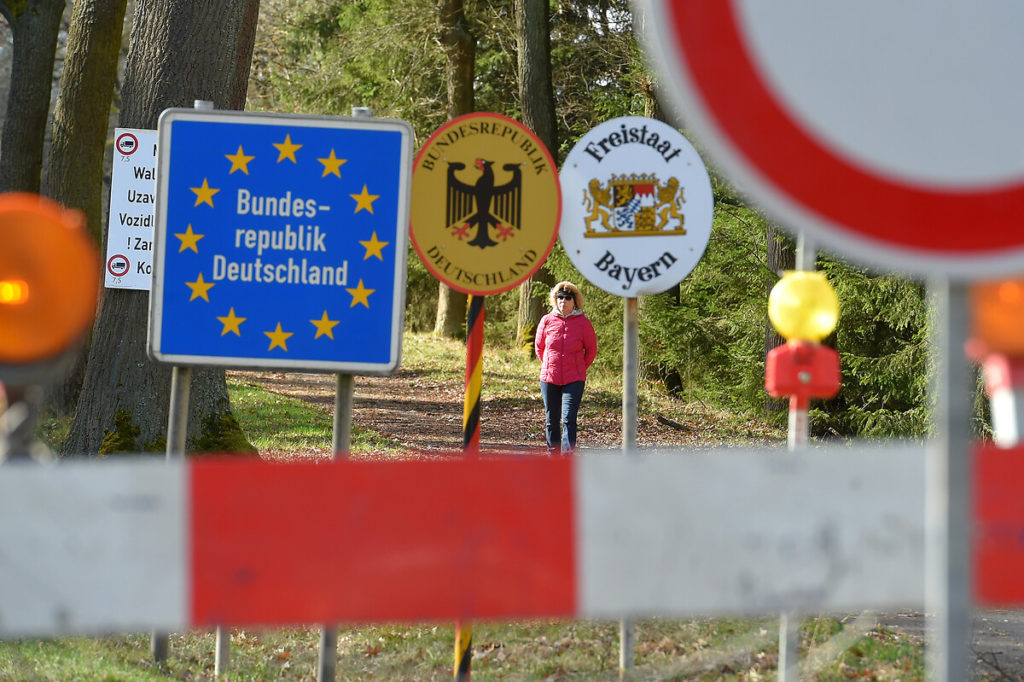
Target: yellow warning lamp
49, 279
997, 316
803, 306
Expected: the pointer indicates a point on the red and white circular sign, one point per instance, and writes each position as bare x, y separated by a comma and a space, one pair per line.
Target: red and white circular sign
127, 144
118, 265
889, 130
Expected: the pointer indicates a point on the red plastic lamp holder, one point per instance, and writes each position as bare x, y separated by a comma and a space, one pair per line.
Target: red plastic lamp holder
803, 369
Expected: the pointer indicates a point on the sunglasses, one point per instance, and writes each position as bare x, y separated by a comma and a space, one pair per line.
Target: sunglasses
564, 297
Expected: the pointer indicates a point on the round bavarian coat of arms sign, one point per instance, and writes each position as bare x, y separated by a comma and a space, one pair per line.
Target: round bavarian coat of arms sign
637, 206
485, 203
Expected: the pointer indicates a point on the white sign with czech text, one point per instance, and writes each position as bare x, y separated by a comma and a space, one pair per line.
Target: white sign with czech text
129, 261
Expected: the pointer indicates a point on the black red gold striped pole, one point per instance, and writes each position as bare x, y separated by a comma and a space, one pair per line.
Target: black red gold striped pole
474, 377
471, 450
463, 650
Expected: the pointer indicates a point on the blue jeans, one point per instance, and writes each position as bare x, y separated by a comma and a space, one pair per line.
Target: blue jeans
561, 404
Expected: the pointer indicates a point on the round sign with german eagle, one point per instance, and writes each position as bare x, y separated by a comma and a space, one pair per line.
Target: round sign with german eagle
485, 203
637, 206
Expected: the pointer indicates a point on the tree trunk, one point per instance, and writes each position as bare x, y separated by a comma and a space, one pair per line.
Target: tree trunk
652, 106
180, 51
78, 137
460, 50
781, 256
536, 95
648, 85
533, 303
537, 100
451, 313
82, 112
34, 28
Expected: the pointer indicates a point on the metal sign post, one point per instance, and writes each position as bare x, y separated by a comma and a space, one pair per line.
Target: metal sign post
948, 484
798, 435
19, 409
630, 377
799, 427
341, 443
177, 428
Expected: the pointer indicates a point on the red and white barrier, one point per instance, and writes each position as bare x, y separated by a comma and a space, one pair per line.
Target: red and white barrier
137, 544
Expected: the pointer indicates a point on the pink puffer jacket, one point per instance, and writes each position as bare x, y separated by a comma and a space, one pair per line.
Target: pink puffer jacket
566, 346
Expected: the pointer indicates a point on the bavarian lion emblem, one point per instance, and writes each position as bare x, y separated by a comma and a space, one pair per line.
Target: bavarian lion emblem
634, 205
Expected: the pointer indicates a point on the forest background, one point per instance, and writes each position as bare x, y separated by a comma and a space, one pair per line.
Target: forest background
705, 339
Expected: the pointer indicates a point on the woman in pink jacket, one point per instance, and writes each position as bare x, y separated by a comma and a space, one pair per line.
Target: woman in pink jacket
567, 346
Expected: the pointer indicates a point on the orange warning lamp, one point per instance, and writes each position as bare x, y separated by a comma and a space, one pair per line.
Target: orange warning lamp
49, 278
997, 316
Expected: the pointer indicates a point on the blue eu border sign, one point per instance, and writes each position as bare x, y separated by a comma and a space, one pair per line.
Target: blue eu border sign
280, 241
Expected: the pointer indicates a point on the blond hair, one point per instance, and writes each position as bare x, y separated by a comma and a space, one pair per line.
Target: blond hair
571, 288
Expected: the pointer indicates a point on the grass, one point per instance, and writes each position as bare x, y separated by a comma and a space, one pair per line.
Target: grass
284, 424
53, 429
702, 649
273, 422
436, 357
666, 649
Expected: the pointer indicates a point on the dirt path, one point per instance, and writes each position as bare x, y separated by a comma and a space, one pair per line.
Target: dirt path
425, 413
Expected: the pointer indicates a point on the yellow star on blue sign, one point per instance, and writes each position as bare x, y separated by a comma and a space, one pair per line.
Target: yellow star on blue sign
204, 194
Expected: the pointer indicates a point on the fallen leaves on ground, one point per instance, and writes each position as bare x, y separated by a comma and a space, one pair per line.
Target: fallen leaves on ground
424, 415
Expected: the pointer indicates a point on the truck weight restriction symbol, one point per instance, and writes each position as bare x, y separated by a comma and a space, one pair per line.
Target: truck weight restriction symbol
118, 265
127, 144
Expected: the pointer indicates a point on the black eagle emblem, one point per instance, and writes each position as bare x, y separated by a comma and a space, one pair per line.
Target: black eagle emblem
484, 204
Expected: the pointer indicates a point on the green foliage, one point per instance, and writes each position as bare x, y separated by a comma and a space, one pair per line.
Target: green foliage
120, 439
325, 57
713, 332
882, 339
713, 335
597, 69
420, 295
328, 58
221, 434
